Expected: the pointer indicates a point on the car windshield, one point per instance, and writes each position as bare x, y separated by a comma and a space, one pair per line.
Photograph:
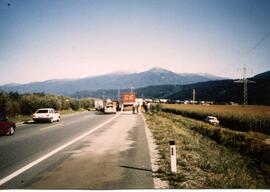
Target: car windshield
42, 111
3, 119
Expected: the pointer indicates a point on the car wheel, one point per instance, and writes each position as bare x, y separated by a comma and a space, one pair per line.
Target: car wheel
11, 131
58, 119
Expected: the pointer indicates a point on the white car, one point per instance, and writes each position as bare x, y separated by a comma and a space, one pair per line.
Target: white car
212, 120
46, 114
110, 109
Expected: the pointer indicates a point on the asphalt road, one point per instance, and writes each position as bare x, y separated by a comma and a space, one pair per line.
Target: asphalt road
109, 150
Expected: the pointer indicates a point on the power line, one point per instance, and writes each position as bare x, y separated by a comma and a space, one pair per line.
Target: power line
259, 42
245, 82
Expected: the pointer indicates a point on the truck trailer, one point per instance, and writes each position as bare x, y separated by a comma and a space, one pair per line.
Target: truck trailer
128, 99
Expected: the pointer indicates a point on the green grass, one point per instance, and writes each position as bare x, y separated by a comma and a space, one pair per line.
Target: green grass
20, 118
201, 161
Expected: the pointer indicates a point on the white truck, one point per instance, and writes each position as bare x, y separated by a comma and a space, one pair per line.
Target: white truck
99, 105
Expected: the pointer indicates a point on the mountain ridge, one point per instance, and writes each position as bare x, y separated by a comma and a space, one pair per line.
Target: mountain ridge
219, 91
153, 76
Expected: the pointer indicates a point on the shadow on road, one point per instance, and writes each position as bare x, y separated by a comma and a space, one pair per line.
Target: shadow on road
39, 122
136, 168
29, 122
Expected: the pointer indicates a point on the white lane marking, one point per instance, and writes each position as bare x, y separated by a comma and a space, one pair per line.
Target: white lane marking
52, 126
32, 164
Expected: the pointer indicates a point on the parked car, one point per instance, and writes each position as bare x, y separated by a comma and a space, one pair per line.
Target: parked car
7, 127
212, 120
46, 115
110, 109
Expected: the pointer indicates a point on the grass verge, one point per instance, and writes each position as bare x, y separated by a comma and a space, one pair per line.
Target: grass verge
201, 162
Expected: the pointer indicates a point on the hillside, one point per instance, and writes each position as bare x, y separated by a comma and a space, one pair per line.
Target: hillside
218, 91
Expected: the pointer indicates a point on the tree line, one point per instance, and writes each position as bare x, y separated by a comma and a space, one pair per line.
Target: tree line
13, 103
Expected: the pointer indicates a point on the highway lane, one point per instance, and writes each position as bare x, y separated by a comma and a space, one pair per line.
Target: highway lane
33, 140
115, 156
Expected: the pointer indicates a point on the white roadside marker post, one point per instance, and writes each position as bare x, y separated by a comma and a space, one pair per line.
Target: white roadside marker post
173, 156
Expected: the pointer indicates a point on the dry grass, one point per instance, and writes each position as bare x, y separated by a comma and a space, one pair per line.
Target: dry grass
249, 118
202, 163
20, 118
249, 110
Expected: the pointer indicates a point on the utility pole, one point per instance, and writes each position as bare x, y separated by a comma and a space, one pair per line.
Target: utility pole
118, 94
131, 88
103, 95
194, 95
245, 82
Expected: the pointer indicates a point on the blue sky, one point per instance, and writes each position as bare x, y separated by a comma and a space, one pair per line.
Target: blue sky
43, 39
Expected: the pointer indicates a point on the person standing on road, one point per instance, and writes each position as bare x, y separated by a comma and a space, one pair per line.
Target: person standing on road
144, 107
148, 107
139, 108
133, 108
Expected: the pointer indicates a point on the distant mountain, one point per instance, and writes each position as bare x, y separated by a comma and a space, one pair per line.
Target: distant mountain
221, 91
154, 76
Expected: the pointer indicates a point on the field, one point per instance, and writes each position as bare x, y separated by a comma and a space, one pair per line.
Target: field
207, 156
249, 118
248, 110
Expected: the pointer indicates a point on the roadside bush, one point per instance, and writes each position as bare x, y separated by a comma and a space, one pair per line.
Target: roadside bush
13, 108
54, 102
86, 103
75, 104
13, 103
3, 103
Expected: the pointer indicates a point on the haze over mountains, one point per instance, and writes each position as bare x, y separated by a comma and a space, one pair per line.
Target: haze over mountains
219, 91
155, 83
154, 76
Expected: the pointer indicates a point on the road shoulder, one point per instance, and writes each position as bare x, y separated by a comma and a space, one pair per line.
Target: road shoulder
154, 156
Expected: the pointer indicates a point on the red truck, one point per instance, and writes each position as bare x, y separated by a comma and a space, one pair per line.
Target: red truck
128, 99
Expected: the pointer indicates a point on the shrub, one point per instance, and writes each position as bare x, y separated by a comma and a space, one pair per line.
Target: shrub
13, 103
75, 104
